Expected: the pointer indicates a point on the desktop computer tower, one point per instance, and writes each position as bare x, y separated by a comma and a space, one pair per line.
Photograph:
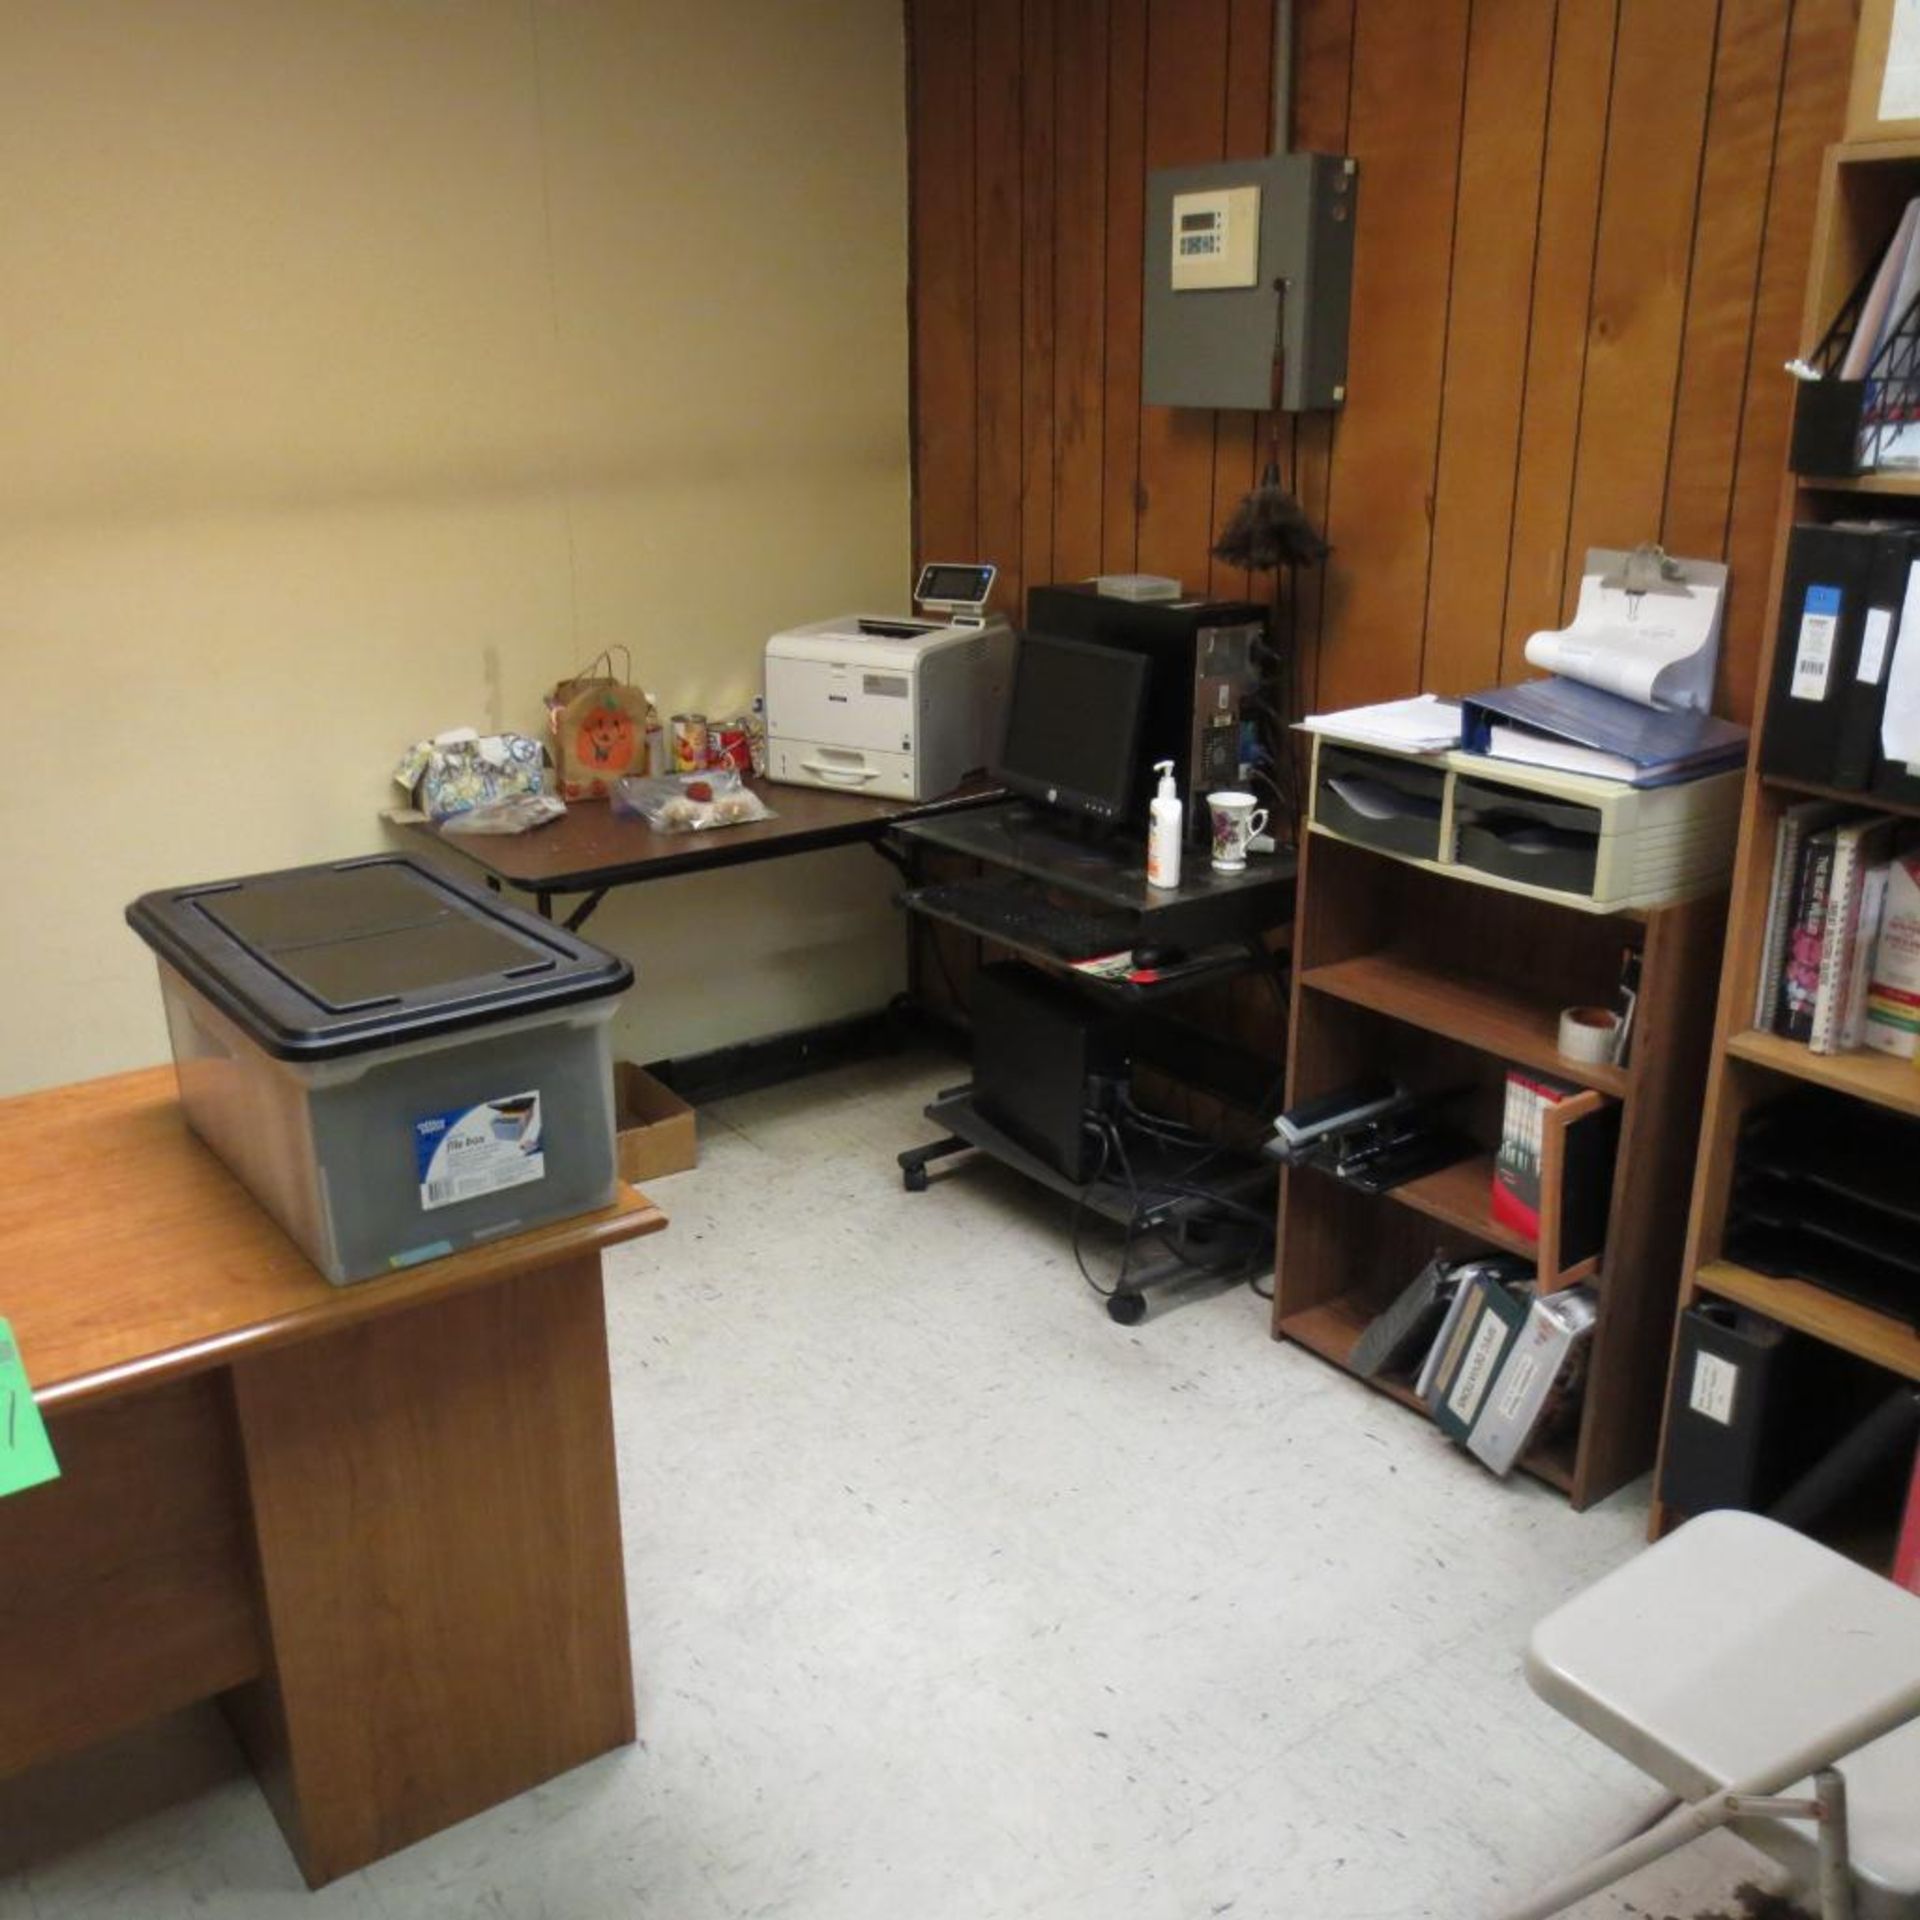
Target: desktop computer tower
1206, 670
1037, 1047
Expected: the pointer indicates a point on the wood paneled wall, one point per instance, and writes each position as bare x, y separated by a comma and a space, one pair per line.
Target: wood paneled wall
1583, 232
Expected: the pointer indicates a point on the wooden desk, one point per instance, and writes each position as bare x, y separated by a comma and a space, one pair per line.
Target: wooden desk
380, 1522
591, 849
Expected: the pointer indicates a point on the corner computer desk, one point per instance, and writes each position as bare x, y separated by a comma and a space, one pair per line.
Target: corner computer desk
1225, 922
380, 1523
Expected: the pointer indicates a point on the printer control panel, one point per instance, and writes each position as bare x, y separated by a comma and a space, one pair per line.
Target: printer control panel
960, 589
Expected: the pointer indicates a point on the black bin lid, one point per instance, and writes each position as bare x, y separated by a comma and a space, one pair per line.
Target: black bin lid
316, 962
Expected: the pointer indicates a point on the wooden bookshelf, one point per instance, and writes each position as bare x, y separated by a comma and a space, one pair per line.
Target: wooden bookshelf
1406, 969
1864, 186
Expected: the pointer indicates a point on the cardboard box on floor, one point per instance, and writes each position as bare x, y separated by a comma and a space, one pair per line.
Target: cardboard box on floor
656, 1127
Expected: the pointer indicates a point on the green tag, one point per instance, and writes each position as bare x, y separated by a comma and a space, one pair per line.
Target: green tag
26, 1454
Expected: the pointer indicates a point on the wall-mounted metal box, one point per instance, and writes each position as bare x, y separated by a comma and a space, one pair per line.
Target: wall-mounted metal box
1219, 309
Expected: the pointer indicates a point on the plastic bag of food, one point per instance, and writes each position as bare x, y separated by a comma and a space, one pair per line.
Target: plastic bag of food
690, 802
517, 813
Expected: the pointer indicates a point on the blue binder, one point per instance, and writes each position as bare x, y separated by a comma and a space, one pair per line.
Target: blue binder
1663, 748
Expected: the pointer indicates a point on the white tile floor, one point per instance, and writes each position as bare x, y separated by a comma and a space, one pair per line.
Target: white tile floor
953, 1600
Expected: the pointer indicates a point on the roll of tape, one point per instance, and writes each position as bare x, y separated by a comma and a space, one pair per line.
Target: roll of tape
1589, 1034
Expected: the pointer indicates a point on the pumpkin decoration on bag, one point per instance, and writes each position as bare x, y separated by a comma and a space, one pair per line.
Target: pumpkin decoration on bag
599, 724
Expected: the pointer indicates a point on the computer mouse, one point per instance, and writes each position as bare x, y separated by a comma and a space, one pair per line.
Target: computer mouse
1151, 958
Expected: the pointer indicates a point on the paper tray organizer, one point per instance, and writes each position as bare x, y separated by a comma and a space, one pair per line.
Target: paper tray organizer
1846, 427
1582, 842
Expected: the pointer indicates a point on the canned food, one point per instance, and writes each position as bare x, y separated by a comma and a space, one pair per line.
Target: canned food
689, 742
730, 745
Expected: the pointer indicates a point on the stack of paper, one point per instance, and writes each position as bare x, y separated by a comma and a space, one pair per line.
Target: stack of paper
1424, 724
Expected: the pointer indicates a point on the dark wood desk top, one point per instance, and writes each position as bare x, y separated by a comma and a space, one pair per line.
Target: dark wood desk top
130, 1255
591, 846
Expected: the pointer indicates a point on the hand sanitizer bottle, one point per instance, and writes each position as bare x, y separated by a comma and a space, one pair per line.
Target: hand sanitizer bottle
1163, 834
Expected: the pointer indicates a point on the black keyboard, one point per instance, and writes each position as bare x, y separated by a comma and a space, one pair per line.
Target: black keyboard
1023, 917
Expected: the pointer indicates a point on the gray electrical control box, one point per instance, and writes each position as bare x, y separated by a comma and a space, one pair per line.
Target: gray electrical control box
1249, 269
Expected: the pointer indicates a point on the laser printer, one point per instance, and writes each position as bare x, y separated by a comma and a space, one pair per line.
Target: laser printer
892, 705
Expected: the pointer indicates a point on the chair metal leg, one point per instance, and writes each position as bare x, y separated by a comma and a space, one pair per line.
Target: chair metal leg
1758, 1795
1836, 1872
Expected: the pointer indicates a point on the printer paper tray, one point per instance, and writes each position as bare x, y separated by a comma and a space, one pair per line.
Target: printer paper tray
812, 763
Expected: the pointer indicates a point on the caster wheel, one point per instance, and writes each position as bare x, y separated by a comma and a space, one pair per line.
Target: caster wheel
1127, 1308
914, 1179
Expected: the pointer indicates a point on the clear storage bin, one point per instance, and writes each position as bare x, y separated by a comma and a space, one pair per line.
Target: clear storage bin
395, 1065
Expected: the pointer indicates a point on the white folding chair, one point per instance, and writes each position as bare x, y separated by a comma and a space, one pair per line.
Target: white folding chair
1771, 1687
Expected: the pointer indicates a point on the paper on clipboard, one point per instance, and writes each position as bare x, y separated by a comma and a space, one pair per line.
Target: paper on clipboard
1658, 648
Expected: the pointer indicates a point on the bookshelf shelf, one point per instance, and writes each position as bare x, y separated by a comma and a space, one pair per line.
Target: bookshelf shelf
1878, 1077
1866, 802
1827, 1316
1477, 1013
1462, 1196
1887, 483
1331, 1330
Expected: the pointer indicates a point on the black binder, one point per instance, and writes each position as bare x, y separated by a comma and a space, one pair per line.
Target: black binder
1863, 694
1729, 1433
1823, 721
1893, 779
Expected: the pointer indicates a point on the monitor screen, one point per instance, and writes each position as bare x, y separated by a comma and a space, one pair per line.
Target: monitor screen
1073, 724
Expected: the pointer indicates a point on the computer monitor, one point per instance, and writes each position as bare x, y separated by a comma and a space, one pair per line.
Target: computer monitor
1073, 725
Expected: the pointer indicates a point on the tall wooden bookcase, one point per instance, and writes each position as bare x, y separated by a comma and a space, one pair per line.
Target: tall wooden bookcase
1863, 188
1445, 983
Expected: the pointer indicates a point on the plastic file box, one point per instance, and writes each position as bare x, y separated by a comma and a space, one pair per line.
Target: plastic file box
395, 1065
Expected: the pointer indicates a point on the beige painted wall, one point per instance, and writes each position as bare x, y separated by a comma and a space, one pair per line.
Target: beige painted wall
368, 363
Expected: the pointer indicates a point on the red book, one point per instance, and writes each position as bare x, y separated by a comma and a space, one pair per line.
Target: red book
1516, 1167
1906, 1556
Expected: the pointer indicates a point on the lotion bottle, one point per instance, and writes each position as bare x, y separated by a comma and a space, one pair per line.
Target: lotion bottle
1163, 832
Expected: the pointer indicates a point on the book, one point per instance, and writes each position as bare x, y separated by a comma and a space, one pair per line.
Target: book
1873, 902
1906, 1555
1540, 1379
1443, 1343
1516, 1166
1800, 960
1857, 844
1893, 986
1489, 1324
1500, 1266
1789, 837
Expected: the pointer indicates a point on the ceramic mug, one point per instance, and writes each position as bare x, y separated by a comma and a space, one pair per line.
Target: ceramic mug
1236, 819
